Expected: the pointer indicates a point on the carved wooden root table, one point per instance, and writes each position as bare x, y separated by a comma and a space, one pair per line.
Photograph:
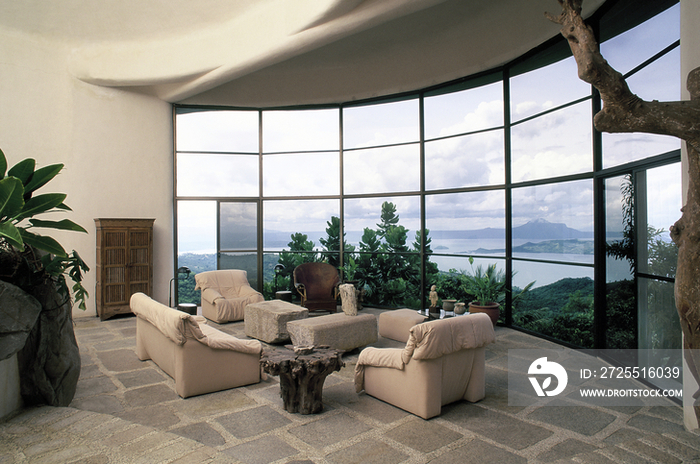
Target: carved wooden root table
302, 372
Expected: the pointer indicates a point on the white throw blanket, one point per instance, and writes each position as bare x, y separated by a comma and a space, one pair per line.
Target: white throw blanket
179, 326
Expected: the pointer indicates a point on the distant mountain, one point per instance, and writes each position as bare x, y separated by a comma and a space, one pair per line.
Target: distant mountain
541, 229
538, 229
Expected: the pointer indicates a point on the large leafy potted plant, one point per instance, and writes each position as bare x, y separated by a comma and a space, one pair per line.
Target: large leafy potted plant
488, 288
47, 355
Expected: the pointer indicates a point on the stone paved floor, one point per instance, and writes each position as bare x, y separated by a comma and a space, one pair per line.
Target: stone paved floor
127, 411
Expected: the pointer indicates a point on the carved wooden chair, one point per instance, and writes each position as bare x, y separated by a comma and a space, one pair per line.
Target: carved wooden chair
317, 283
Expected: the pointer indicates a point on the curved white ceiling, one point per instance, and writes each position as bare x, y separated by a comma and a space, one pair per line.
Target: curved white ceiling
283, 52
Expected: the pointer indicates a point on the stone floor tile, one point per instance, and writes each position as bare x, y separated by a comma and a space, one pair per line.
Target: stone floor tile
120, 360
622, 455
510, 431
213, 404
104, 404
158, 416
124, 436
654, 454
478, 452
622, 435
262, 451
202, 433
648, 423
94, 386
152, 394
329, 430
252, 422
141, 377
423, 436
581, 419
369, 451
566, 449
345, 395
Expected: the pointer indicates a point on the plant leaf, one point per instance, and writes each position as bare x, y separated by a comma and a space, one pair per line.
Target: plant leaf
11, 197
23, 170
41, 176
43, 242
10, 233
3, 164
65, 224
41, 204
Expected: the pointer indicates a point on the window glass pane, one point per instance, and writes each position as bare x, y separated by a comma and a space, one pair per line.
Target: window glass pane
238, 223
560, 303
620, 299
470, 160
554, 221
466, 223
245, 261
196, 245
555, 144
381, 124
450, 280
546, 88
630, 49
301, 174
466, 111
663, 207
200, 175
284, 218
659, 329
379, 170
227, 131
658, 81
362, 213
661, 80
301, 130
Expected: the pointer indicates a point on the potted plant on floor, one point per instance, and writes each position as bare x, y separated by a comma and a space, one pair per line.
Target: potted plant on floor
488, 288
37, 265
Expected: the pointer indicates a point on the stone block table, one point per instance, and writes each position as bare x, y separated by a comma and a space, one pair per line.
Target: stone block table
338, 331
396, 324
267, 320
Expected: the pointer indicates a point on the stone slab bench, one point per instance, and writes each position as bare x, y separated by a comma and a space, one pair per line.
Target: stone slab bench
267, 320
338, 331
396, 324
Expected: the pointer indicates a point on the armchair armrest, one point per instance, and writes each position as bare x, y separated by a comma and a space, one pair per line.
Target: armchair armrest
210, 295
376, 357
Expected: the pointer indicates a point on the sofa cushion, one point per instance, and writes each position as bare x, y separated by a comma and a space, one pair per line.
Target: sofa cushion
433, 339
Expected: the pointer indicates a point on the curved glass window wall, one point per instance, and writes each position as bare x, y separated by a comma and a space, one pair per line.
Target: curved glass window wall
502, 169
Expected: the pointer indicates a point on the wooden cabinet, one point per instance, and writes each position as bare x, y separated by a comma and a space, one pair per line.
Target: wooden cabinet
124, 263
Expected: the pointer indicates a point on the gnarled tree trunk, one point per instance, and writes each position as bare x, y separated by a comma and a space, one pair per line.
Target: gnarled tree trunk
624, 111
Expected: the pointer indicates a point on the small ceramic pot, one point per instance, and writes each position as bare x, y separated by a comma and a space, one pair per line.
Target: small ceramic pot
460, 308
448, 305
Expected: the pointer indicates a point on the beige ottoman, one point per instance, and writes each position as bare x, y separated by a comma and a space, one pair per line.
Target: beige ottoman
396, 324
338, 331
267, 320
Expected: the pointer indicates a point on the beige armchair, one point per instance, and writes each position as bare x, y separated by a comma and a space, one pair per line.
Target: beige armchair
225, 294
443, 362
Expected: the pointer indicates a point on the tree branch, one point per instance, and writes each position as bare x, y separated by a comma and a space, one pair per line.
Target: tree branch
623, 111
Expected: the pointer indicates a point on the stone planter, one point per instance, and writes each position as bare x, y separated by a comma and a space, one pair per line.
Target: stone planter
492, 309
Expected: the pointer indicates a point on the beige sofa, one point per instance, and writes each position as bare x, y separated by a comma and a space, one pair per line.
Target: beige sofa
200, 358
443, 361
225, 294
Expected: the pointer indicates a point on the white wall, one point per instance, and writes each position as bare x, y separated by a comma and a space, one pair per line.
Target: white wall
116, 146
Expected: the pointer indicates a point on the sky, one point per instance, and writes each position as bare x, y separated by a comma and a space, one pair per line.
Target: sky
464, 148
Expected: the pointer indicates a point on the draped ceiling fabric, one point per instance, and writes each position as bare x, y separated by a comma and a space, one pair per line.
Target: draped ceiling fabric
281, 52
